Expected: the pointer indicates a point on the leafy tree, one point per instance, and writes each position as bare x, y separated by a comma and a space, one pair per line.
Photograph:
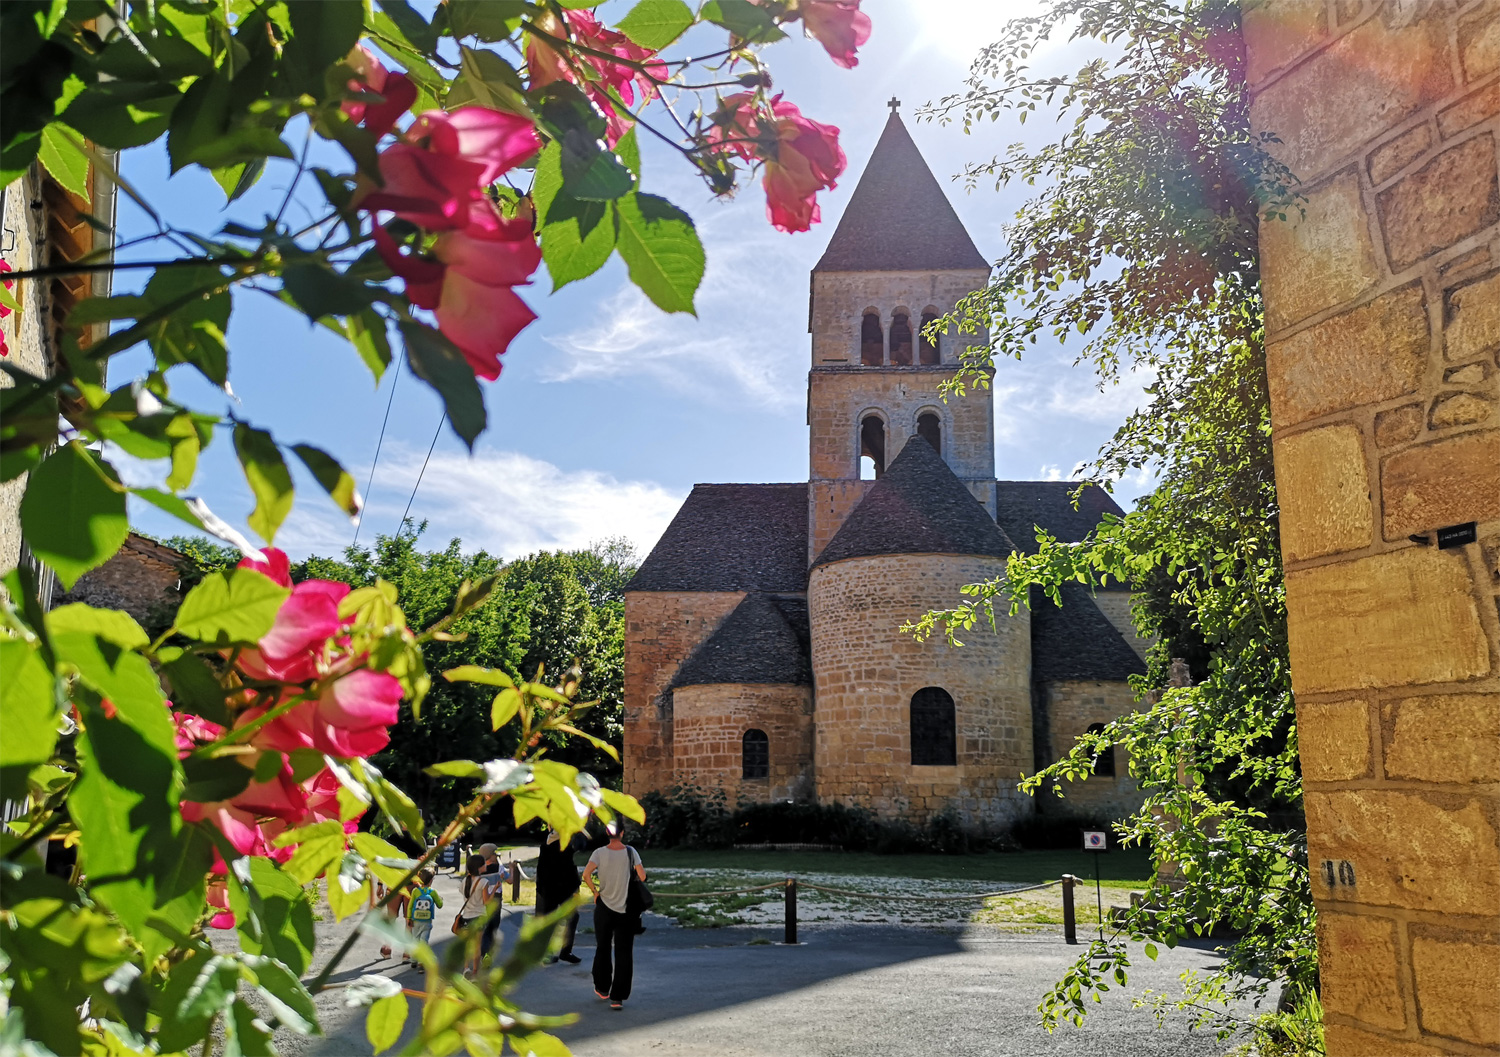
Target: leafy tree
1144, 242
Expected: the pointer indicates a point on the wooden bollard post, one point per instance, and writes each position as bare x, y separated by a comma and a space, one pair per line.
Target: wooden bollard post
515, 882
1070, 920
791, 910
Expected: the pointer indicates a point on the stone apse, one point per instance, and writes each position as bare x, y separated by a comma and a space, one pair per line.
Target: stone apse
1382, 327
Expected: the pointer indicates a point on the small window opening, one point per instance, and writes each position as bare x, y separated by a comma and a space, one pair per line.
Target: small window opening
871, 341
872, 447
930, 353
930, 429
755, 755
1104, 763
934, 728
901, 340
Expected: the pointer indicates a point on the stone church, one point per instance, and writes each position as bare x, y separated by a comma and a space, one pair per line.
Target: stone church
763, 650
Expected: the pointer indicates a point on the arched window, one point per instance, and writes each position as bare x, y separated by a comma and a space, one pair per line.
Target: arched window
930, 353
901, 340
1104, 763
755, 755
934, 728
930, 429
872, 447
871, 341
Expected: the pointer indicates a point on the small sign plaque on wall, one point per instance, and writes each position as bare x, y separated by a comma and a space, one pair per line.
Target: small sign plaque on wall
1456, 535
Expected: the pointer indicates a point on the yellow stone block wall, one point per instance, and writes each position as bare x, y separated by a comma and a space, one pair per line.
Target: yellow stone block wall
1383, 357
661, 629
866, 671
708, 728
1072, 706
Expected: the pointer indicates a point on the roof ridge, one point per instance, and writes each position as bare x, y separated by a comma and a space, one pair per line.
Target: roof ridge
898, 218
918, 506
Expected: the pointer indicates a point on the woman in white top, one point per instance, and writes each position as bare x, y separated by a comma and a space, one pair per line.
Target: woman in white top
477, 894
614, 928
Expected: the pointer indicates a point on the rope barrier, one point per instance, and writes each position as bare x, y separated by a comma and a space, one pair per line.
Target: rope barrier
858, 895
925, 899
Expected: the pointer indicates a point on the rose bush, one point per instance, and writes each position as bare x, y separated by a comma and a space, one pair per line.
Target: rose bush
208, 777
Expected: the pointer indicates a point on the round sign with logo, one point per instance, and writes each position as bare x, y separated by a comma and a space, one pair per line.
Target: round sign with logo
1095, 840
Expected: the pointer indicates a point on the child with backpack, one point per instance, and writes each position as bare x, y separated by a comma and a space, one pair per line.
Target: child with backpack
421, 908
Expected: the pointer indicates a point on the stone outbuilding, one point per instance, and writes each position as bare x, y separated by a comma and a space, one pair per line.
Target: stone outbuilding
763, 650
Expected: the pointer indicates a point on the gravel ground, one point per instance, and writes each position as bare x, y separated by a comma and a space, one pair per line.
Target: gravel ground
850, 990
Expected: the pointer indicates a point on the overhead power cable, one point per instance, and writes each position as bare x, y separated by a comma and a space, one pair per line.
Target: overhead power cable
370, 482
436, 433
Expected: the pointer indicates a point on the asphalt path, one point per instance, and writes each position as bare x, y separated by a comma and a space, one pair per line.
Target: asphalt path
845, 991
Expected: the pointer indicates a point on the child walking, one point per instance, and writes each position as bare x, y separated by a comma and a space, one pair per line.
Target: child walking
422, 907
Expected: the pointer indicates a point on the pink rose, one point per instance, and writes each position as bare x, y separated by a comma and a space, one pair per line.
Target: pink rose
800, 156
597, 76
291, 651
351, 718
397, 90
839, 25
444, 162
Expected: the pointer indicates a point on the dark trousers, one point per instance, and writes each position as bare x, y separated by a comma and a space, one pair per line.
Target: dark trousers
546, 903
614, 933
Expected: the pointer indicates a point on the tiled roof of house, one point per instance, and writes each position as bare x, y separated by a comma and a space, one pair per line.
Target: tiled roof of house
898, 218
1022, 505
1077, 641
732, 537
917, 507
755, 644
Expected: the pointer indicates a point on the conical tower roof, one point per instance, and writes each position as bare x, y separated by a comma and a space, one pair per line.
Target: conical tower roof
917, 507
755, 644
898, 218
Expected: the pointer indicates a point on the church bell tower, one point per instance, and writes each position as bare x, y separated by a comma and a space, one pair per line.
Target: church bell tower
899, 258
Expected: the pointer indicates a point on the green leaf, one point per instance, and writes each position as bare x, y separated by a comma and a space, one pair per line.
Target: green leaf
194, 687
439, 363
744, 19
504, 708
245, 1034
142, 863
322, 34
660, 247
73, 515
539, 1044
120, 114
283, 992
111, 625
473, 673
282, 914
367, 333
624, 804
200, 118
487, 79
336, 481
590, 173
656, 23
318, 850
196, 990
237, 178
455, 769
489, 20
219, 778
231, 606
349, 888
28, 706
65, 162
183, 313
269, 480
385, 1020
323, 292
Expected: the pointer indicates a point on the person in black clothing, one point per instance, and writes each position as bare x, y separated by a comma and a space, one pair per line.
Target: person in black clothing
615, 927
556, 883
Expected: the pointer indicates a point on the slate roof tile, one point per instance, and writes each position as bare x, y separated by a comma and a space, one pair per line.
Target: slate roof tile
732, 537
755, 644
898, 218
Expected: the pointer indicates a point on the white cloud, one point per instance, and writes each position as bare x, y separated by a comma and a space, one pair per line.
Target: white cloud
744, 346
504, 502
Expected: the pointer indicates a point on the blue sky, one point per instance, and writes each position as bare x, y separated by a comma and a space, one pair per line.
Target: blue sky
608, 410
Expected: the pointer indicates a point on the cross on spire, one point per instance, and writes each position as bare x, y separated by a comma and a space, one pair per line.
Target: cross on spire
893, 104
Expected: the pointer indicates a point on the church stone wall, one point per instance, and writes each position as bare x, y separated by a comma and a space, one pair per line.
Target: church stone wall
1383, 328
828, 504
709, 724
661, 629
840, 299
866, 671
1072, 706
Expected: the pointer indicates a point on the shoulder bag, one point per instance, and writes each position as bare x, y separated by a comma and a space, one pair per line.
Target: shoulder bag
638, 899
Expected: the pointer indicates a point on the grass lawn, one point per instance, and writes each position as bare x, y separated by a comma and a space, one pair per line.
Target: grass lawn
1124, 868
